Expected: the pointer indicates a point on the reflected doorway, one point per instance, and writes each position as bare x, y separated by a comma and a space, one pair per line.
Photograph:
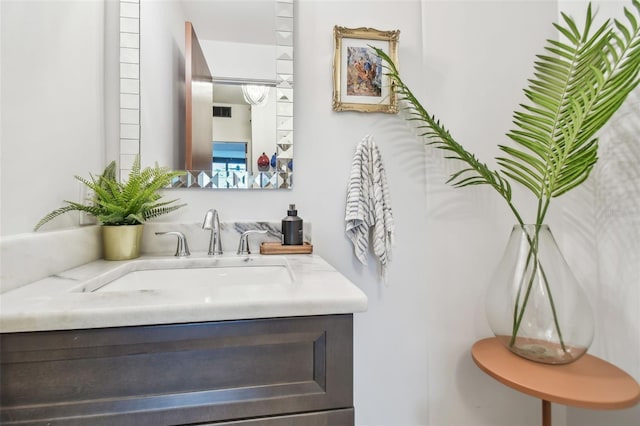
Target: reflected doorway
229, 157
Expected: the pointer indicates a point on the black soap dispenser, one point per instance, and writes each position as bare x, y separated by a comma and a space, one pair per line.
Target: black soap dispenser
292, 228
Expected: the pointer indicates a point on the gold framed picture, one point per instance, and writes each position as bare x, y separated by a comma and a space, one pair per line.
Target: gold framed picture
359, 83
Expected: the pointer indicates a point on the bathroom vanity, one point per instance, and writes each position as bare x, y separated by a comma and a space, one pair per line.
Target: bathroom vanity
242, 353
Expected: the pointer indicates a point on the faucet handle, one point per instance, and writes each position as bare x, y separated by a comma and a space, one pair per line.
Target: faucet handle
243, 245
182, 249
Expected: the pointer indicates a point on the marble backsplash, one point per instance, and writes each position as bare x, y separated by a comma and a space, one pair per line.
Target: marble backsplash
198, 238
29, 257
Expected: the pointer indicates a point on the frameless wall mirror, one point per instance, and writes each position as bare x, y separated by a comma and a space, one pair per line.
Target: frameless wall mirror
234, 130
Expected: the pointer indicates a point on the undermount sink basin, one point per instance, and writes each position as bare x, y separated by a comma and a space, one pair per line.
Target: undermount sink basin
190, 274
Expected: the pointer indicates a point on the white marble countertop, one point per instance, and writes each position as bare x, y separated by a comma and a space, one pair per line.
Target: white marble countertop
58, 302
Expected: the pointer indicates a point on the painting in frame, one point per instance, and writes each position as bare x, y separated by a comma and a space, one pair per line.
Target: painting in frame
359, 83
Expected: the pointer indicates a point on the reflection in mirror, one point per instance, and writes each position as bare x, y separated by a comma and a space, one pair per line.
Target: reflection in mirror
227, 34
198, 101
245, 117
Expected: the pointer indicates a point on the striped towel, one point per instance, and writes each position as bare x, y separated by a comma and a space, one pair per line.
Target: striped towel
368, 213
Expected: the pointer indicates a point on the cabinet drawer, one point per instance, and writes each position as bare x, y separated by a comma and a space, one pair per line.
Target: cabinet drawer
177, 374
343, 417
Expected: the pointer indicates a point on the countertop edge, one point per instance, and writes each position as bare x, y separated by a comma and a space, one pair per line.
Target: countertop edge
48, 304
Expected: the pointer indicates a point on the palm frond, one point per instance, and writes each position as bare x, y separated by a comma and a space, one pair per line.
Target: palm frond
477, 173
577, 86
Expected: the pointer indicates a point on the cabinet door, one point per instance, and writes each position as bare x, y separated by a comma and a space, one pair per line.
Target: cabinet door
177, 374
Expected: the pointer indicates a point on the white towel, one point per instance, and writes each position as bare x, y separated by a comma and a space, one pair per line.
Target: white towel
368, 213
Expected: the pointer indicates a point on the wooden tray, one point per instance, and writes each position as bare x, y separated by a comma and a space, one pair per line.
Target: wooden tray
278, 248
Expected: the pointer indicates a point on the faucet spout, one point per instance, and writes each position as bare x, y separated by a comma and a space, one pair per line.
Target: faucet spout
212, 223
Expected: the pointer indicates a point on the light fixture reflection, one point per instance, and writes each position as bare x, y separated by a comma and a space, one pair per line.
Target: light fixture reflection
255, 94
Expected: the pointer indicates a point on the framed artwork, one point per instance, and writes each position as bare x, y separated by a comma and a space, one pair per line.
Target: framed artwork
359, 83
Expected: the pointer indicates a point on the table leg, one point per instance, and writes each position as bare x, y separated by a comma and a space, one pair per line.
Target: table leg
546, 413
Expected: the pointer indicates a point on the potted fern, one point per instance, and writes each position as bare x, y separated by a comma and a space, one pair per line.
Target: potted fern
123, 207
579, 83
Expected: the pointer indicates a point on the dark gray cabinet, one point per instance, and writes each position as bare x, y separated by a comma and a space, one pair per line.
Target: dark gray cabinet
265, 372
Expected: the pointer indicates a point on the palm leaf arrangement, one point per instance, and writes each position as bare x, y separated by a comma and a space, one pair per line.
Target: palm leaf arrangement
578, 84
123, 203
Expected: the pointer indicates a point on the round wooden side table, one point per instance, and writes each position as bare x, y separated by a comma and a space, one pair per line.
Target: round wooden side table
589, 382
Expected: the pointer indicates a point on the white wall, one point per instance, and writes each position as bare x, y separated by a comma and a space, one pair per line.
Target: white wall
477, 57
52, 106
615, 293
240, 60
234, 129
263, 128
162, 91
609, 206
469, 60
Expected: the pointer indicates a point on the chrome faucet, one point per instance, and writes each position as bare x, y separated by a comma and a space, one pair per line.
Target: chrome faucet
182, 249
212, 222
243, 244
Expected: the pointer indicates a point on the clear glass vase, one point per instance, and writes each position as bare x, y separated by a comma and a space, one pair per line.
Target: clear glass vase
535, 305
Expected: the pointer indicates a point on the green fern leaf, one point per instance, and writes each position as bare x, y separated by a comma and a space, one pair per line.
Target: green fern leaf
131, 202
